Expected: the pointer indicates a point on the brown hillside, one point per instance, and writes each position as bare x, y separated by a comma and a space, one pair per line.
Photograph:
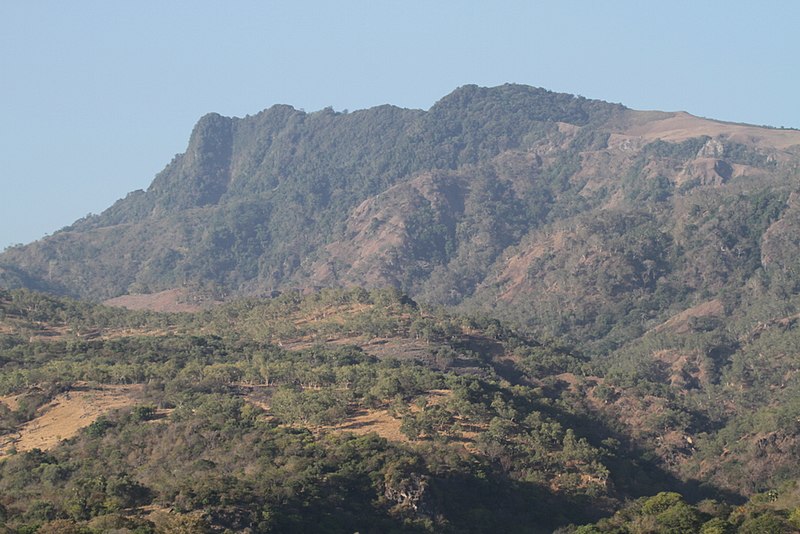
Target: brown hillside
66, 415
679, 126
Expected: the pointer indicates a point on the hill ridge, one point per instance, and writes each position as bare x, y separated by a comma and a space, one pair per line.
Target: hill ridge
453, 205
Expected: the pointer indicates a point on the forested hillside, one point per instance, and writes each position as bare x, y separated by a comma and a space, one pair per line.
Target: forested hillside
518, 309
344, 411
574, 217
253, 201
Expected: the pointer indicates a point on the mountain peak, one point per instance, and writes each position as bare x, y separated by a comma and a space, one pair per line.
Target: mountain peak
491, 196
200, 176
526, 103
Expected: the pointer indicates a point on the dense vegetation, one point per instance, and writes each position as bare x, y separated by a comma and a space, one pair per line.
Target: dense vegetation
252, 198
246, 418
619, 347
489, 198
199, 442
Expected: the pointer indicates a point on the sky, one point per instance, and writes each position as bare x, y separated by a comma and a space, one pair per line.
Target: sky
97, 97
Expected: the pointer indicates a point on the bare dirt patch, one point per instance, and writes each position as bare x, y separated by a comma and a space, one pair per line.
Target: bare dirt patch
66, 415
680, 323
381, 348
399, 348
362, 422
12, 401
378, 421
331, 314
686, 369
171, 300
6, 329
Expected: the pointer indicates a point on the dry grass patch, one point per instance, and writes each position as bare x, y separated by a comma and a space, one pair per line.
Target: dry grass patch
680, 126
64, 416
37, 331
12, 401
6, 328
680, 323
336, 314
379, 421
170, 300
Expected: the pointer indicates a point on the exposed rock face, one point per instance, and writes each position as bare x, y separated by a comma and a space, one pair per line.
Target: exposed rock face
409, 493
712, 149
705, 171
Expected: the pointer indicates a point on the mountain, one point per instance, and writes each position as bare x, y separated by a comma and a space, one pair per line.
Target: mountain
253, 202
607, 215
603, 308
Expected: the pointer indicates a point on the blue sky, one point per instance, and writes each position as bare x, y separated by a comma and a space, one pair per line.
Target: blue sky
97, 97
